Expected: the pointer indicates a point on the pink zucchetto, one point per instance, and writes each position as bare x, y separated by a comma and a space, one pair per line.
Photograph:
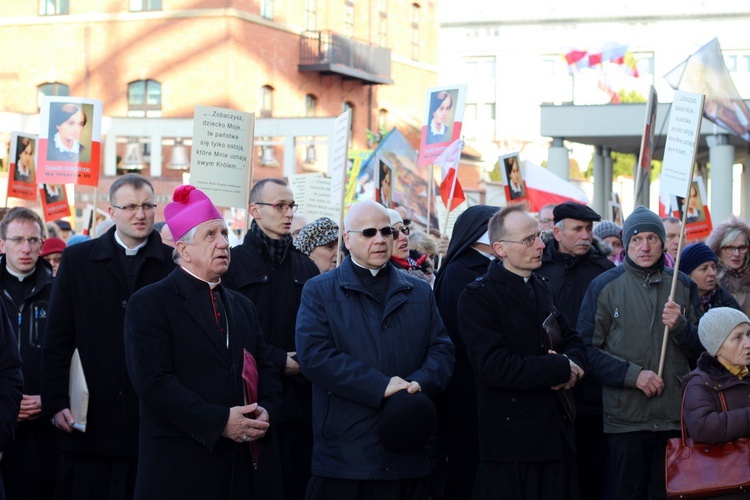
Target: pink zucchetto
189, 207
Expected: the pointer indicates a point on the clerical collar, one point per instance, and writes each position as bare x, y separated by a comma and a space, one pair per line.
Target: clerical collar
210, 284
19, 276
374, 272
129, 251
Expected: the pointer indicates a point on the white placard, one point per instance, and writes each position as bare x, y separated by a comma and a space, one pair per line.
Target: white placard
312, 194
682, 139
339, 150
221, 154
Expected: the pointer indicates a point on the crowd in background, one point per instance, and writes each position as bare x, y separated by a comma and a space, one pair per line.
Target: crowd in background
517, 359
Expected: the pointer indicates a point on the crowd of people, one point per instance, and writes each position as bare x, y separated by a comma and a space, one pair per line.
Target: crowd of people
362, 359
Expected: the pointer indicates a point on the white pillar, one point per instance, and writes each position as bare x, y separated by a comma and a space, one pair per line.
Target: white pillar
155, 167
721, 158
557, 160
607, 154
110, 154
599, 200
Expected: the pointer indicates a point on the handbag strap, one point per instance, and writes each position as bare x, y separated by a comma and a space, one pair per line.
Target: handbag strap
722, 400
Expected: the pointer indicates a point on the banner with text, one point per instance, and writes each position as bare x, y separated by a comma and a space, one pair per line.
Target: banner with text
682, 140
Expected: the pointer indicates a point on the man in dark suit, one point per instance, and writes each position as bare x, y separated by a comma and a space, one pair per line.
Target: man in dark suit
187, 342
87, 310
526, 447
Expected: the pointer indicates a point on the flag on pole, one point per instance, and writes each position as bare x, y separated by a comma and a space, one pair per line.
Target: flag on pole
450, 189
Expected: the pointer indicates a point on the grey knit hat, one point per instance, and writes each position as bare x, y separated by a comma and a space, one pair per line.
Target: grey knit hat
607, 228
716, 325
315, 234
640, 221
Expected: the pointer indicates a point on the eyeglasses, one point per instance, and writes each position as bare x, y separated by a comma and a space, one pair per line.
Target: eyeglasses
404, 230
371, 231
739, 249
132, 207
546, 220
19, 240
280, 207
529, 242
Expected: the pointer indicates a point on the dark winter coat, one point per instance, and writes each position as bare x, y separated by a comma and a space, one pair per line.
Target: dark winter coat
520, 416
349, 349
187, 380
87, 310
705, 420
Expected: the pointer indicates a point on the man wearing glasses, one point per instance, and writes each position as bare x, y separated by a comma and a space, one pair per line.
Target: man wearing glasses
622, 320
372, 342
269, 271
87, 312
29, 461
526, 447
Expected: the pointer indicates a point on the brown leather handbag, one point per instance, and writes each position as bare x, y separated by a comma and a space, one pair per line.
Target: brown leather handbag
698, 470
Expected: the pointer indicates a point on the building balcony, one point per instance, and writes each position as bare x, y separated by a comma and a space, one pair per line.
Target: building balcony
328, 53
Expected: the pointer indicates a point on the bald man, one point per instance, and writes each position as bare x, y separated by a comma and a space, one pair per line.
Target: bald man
400, 358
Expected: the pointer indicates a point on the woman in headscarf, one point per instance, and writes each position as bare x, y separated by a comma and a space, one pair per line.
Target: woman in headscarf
699, 262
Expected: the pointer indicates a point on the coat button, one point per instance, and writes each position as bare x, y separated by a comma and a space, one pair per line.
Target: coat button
264, 278
124, 303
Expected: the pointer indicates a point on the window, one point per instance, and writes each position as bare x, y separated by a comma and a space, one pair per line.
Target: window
349, 19
144, 99
415, 31
144, 5
311, 104
52, 89
53, 7
266, 101
382, 120
311, 15
383, 23
266, 9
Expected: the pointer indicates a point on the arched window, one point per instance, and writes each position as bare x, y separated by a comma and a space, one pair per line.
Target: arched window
53, 7
144, 99
382, 120
52, 89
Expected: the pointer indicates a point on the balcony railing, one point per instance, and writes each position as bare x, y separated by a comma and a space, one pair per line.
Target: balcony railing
326, 52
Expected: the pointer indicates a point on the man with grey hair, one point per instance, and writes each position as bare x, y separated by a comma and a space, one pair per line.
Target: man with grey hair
90, 293
189, 345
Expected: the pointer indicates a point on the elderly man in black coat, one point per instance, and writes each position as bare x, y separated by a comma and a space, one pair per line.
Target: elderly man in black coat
87, 309
189, 344
525, 357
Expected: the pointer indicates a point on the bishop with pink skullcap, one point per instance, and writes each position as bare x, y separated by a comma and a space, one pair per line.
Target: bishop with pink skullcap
190, 206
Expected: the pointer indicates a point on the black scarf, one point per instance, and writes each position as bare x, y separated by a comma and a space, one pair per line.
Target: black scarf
277, 249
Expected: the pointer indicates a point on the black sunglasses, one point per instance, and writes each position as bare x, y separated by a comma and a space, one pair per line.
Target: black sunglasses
371, 231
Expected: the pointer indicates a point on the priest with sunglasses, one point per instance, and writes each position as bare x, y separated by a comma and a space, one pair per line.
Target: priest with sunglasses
374, 346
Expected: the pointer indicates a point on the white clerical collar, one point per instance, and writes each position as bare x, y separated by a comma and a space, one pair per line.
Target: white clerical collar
129, 251
19, 275
374, 272
211, 284
62, 147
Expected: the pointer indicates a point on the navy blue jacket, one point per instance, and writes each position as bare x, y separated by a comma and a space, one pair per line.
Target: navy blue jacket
349, 349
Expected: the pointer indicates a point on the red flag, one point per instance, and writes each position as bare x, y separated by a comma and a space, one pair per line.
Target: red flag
450, 189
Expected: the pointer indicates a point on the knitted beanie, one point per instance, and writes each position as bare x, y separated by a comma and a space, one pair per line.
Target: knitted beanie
716, 325
643, 220
607, 228
695, 255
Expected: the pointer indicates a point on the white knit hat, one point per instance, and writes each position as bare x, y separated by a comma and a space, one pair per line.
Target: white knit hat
716, 325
